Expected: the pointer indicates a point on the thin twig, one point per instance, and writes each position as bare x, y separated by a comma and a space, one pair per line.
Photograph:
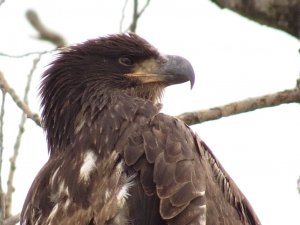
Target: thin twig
136, 15
1, 132
133, 24
7, 89
1, 2
123, 15
2, 207
143, 9
298, 184
29, 53
250, 104
2, 195
12, 220
44, 33
10, 187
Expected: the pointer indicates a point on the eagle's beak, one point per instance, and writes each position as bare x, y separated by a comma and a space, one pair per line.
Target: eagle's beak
171, 70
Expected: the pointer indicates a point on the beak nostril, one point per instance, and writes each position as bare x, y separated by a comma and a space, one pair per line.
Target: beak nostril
179, 68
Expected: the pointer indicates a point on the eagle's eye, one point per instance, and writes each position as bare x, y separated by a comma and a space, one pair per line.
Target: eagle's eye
126, 61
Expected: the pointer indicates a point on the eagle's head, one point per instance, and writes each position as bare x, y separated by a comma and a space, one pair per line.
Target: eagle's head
122, 62
91, 73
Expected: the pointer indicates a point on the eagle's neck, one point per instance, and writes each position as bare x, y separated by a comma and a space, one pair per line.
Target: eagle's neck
64, 118
93, 120
152, 92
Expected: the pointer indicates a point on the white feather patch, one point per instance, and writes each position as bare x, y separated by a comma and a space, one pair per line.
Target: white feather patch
123, 193
54, 176
201, 193
67, 203
61, 188
89, 164
120, 168
79, 126
107, 194
203, 216
203, 220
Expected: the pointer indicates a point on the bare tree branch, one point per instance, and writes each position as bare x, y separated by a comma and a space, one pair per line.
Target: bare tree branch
29, 53
123, 16
280, 14
136, 15
12, 220
135, 18
298, 184
143, 9
44, 33
13, 159
1, 133
247, 105
1, 2
2, 195
7, 89
2, 207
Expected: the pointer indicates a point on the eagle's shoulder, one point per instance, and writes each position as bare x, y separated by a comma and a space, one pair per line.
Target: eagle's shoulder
177, 166
165, 155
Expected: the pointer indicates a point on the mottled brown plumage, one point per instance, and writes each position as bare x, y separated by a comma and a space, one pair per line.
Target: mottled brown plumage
114, 158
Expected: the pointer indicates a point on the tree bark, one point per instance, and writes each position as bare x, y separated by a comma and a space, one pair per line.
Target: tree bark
279, 14
246, 105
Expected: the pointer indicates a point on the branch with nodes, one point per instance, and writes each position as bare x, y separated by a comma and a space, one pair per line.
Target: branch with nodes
40, 53
6, 88
59, 42
44, 33
247, 105
2, 195
13, 159
135, 15
123, 16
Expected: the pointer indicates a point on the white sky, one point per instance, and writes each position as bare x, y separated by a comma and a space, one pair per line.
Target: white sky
233, 58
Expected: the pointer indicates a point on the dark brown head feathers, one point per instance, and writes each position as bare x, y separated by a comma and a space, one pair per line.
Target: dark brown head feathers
95, 60
85, 77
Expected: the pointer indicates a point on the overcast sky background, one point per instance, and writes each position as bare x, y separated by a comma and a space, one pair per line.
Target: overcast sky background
233, 58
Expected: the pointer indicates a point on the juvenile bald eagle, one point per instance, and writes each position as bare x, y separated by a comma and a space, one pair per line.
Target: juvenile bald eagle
114, 158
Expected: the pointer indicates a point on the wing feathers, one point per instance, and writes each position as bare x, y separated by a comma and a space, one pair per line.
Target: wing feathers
152, 145
133, 150
194, 214
168, 211
185, 194
167, 161
163, 172
181, 173
146, 175
178, 167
